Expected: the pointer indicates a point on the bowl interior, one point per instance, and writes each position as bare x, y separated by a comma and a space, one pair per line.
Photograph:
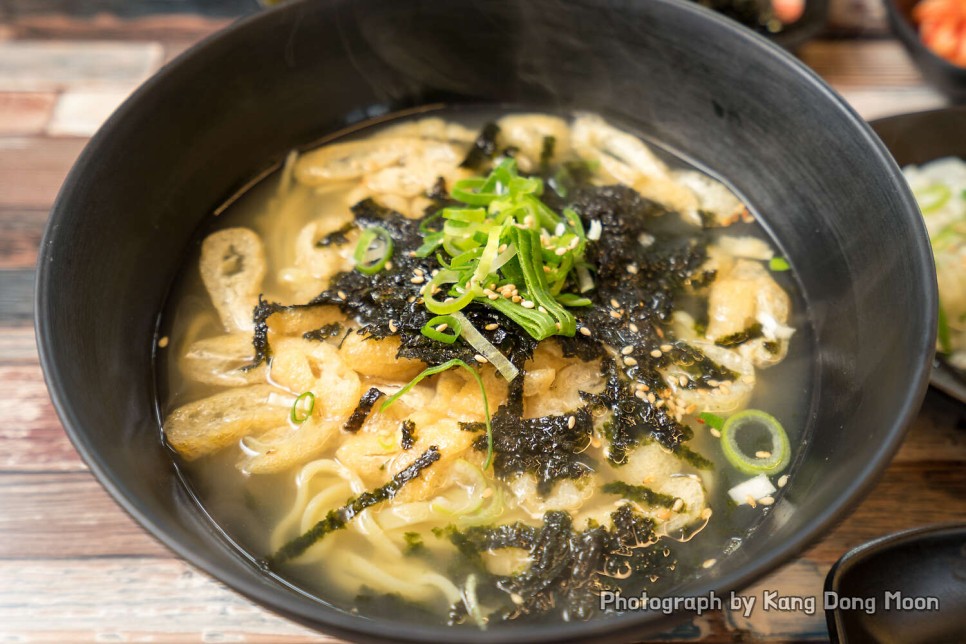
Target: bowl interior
734, 104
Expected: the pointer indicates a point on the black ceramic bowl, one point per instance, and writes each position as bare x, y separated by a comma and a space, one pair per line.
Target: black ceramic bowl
707, 88
948, 78
919, 569
919, 138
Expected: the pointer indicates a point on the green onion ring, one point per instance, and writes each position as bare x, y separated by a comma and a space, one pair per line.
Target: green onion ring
368, 236
779, 455
430, 331
294, 415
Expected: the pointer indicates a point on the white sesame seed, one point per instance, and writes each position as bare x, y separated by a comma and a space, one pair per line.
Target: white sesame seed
710, 562
678, 504
633, 327
392, 326
560, 252
493, 326
388, 266
163, 342
651, 398
766, 500
493, 296
341, 295
783, 480
706, 513
632, 269
615, 315
480, 358
683, 380
640, 394
628, 350
629, 361
656, 353
584, 331
750, 500
762, 454
557, 324
615, 304
442, 327
517, 299
418, 272
492, 285
715, 432
571, 422
527, 304
418, 280
541, 309
666, 347
559, 230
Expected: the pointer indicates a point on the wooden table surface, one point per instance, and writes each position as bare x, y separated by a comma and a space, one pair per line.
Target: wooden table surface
75, 567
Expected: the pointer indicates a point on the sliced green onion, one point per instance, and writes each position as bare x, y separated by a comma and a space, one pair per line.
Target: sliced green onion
933, 197
431, 332
432, 371
571, 299
711, 420
778, 264
364, 263
769, 461
944, 335
430, 243
301, 412
485, 348
444, 307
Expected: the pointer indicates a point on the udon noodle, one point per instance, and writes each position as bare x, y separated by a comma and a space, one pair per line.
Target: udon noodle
482, 375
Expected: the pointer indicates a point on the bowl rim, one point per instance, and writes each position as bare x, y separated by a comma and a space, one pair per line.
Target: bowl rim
346, 625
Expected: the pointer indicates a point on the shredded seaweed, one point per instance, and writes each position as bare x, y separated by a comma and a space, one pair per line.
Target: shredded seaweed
408, 430
325, 331
548, 447
484, 147
414, 543
338, 519
639, 493
361, 412
739, 338
633, 419
546, 152
336, 237
569, 568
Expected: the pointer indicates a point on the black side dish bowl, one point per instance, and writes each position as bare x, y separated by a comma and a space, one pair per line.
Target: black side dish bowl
914, 139
948, 78
928, 564
722, 97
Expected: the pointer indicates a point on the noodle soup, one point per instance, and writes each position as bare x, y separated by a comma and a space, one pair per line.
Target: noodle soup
481, 368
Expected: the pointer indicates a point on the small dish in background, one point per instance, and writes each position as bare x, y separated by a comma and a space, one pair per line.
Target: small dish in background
787, 22
948, 78
893, 585
915, 139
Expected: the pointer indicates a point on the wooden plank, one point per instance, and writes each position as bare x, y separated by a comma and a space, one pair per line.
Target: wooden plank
32, 170
38, 511
31, 434
80, 112
106, 25
25, 112
878, 103
18, 346
20, 233
16, 296
44, 66
124, 599
872, 63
